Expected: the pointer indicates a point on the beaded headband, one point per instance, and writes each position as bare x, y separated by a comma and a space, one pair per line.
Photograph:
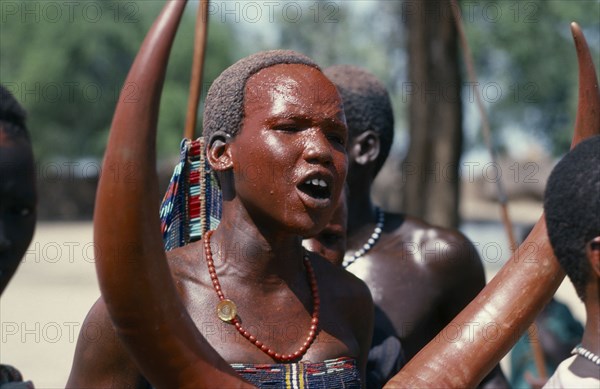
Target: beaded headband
193, 202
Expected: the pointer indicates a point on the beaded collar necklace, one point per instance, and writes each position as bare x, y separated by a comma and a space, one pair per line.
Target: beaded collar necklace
580, 350
370, 242
227, 310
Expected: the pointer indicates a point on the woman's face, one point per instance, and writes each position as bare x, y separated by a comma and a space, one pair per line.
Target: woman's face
289, 159
17, 204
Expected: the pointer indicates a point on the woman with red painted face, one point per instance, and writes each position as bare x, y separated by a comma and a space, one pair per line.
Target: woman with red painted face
258, 303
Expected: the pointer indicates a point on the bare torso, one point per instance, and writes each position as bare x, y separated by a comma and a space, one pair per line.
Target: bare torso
282, 329
102, 361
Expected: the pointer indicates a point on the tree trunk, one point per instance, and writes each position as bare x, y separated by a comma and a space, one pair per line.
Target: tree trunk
430, 170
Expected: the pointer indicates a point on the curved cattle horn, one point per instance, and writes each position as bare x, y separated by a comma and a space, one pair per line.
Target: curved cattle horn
587, 121
468, 348
133, 274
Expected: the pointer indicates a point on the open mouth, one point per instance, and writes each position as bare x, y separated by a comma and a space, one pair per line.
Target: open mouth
316, 188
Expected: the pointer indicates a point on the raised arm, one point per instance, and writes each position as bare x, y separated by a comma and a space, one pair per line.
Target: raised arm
494, 321
134, 277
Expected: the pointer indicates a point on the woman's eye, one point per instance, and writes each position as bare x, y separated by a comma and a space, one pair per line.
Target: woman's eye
288, 128
337, 139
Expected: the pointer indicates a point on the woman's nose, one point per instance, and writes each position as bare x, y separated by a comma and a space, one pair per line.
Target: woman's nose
318, 149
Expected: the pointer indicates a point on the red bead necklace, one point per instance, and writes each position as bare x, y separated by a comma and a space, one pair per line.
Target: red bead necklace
227, 310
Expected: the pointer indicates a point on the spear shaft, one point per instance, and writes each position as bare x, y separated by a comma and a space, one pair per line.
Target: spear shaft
197, 69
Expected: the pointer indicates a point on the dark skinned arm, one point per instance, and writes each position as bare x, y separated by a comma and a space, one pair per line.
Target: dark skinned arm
100, 359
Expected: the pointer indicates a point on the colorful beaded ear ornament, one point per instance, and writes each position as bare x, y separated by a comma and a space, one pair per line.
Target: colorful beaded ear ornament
227, 310
193, 202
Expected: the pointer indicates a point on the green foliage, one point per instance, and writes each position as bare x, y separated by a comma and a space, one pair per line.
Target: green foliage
67, 61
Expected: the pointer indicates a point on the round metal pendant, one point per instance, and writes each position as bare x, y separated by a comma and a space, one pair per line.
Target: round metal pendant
226, 310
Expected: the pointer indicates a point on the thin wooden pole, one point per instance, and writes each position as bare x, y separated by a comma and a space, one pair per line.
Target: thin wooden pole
197, 70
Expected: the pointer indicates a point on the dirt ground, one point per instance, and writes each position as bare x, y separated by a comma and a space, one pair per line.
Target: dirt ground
44, 305
43, 308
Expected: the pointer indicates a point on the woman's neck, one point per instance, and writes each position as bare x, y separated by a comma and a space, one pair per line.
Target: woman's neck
261, 255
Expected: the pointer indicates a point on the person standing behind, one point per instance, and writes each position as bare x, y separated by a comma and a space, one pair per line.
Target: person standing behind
572, 209
420, 275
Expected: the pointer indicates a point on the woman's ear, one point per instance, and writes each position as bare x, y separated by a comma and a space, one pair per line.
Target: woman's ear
592, 251
219, 151
365, 147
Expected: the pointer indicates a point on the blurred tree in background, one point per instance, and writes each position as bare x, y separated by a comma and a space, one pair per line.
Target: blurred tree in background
431, 165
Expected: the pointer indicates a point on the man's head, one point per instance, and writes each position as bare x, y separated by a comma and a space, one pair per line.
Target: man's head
17, 187
369, 115
572, 207
282, 156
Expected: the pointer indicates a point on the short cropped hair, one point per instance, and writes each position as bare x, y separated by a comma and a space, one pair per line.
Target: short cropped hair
224, 107
367, 105
572, 207
12, 116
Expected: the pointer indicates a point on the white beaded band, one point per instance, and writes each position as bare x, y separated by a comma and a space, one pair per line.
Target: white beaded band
580, 350
370, 242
